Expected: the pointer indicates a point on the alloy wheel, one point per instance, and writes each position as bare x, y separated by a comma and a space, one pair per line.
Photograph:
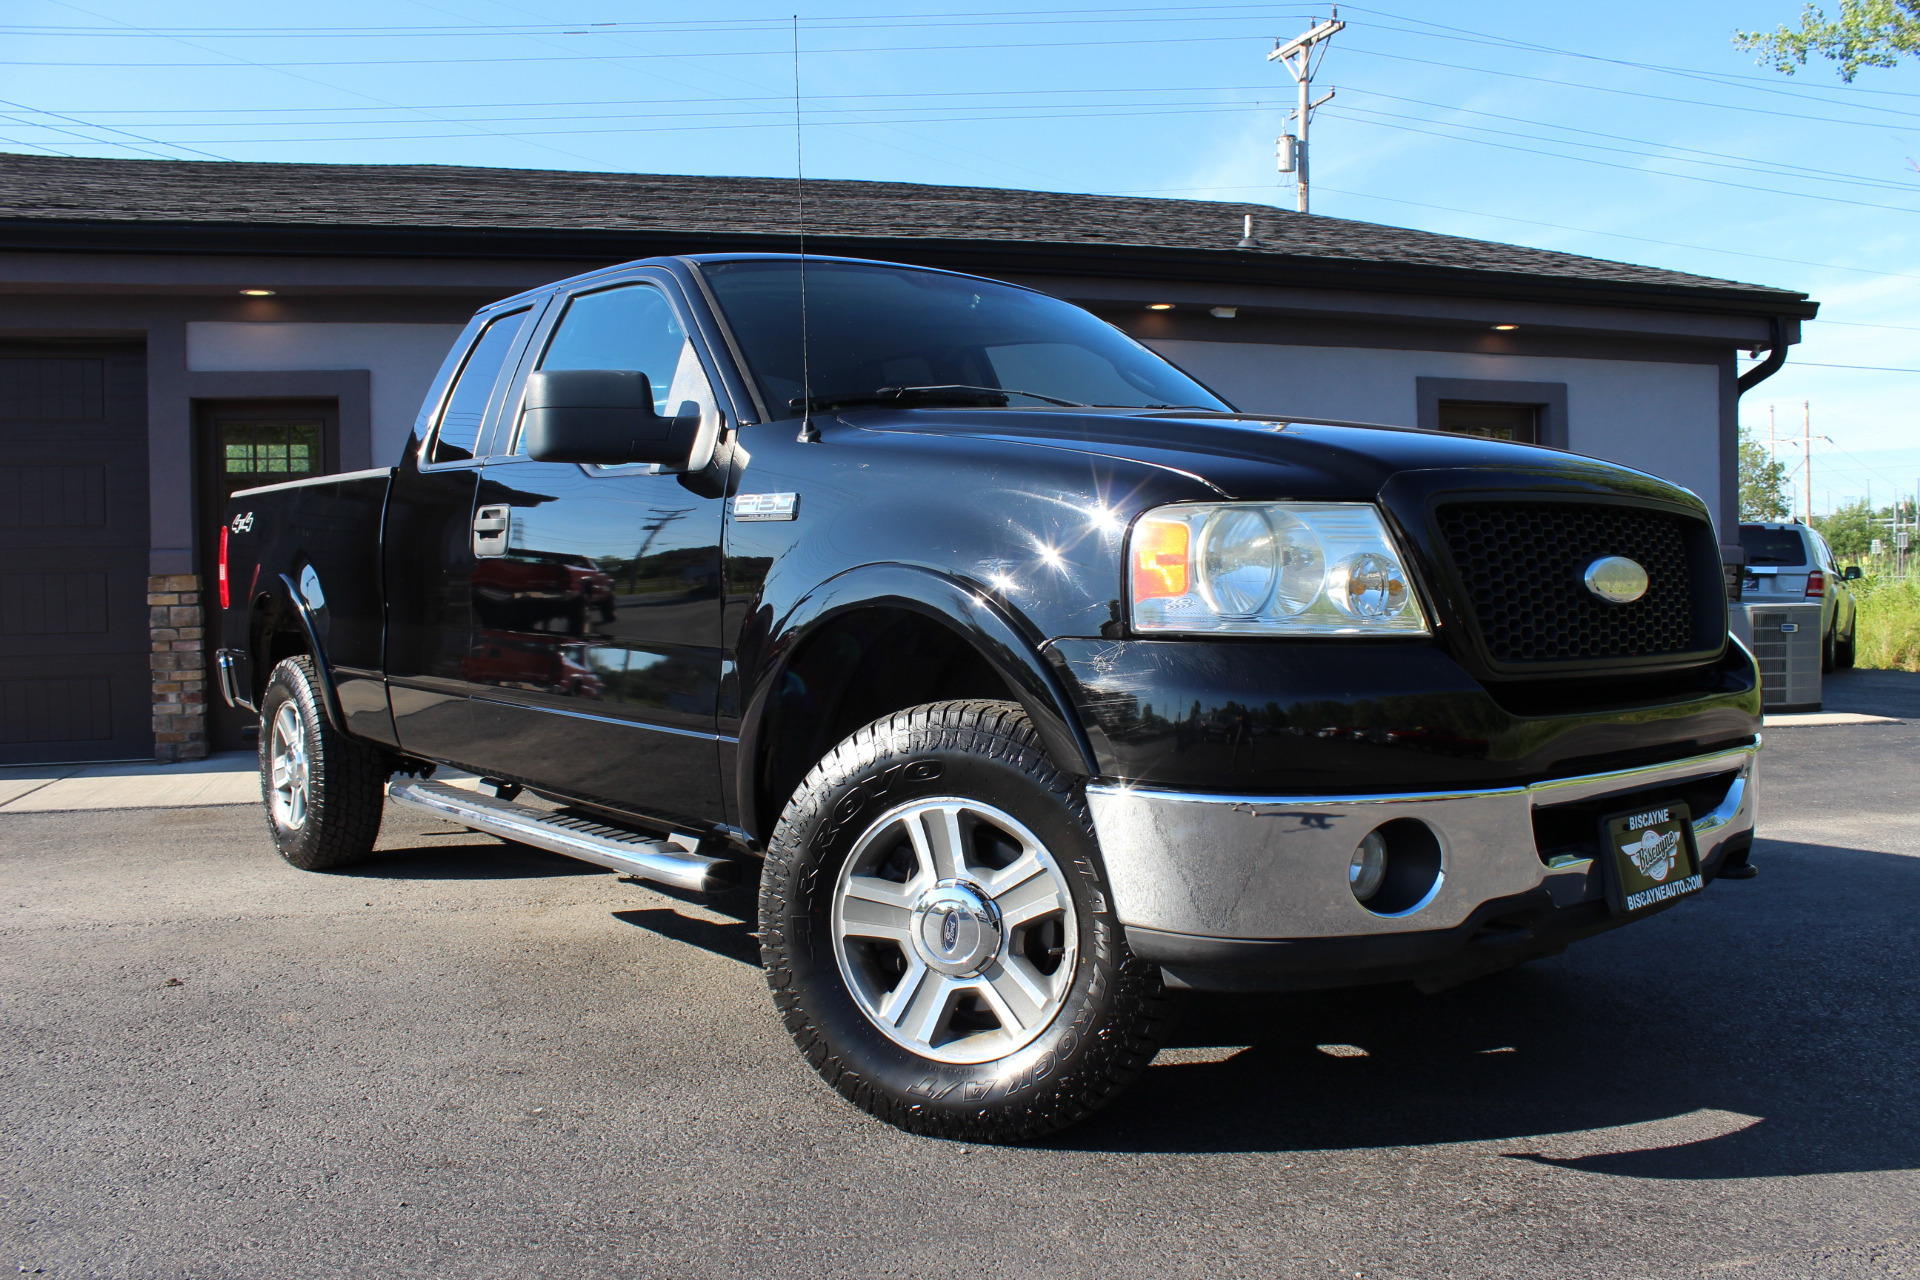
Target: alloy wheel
955, 930
289, 770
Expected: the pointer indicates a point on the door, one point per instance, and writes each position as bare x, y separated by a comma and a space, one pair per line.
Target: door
74, 670
244, 444
428, 544
597, 615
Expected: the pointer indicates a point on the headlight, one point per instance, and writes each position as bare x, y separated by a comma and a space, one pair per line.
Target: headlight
1270, 568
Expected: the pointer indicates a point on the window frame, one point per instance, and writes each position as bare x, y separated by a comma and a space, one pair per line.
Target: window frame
507, 424
1548, 400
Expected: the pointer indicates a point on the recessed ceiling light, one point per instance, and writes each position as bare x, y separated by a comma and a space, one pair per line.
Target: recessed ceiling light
1159, 306
1502, 328
1224, 313
256, 293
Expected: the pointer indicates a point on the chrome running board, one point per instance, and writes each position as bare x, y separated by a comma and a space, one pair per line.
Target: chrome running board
625, 852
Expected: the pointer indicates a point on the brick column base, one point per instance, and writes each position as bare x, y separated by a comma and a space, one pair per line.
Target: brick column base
177, 633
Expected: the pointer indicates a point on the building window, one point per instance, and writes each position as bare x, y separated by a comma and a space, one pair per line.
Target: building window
1493, 419
1495, 409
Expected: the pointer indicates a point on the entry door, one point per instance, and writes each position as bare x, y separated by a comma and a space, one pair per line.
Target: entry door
74, 670
428, 546
243, 444
597, 622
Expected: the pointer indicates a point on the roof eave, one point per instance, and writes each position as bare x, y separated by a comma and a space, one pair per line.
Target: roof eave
603, 245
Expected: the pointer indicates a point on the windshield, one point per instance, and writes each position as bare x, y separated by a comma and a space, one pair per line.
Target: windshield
1772, 546
893, 335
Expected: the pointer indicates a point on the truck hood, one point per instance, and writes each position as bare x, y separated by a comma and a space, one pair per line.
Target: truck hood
1264, 457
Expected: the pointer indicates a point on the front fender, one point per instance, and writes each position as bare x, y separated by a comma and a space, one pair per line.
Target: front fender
994, 630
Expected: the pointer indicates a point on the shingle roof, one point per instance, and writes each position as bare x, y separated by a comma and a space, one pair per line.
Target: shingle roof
43, 189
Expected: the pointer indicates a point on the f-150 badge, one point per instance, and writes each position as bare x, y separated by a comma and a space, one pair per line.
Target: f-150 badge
766, 506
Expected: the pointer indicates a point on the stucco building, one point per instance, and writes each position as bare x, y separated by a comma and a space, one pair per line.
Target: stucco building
171, 330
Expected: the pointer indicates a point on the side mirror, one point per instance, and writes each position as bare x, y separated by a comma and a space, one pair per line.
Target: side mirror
601, 417
1851, 573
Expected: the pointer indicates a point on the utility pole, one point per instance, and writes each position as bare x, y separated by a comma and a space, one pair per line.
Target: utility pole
1806, 423
1298, 55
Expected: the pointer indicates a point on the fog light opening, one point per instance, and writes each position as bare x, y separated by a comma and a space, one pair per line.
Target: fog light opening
1396, 869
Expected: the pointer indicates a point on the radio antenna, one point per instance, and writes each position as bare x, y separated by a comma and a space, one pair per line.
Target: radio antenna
808, 432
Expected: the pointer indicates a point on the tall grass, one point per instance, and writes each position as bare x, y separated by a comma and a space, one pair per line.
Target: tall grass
1888, 626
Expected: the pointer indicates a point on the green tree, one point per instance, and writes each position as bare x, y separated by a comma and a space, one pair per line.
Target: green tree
1868, 33
1763, 483
1849, 531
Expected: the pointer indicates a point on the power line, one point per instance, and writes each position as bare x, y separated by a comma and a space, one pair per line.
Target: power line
1690, 177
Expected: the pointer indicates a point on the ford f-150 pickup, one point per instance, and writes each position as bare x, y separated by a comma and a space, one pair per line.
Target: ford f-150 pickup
1031, 681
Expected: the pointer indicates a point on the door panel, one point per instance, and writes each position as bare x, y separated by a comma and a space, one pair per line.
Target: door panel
74, 667
597, 628
428, 551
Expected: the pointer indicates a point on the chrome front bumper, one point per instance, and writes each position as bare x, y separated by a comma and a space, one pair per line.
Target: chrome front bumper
1260, 867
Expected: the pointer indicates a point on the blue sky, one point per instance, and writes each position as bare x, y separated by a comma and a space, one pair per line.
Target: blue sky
1632, 130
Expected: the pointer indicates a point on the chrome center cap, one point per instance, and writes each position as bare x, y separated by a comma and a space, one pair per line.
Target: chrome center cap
956, 930
1616, 579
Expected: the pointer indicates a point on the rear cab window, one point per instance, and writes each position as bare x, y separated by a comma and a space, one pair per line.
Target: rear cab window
1773, 546
456, 437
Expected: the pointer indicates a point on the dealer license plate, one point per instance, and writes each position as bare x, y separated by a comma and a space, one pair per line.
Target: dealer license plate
1652, 857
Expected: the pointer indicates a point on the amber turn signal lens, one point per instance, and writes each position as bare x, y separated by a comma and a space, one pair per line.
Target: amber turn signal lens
1159, 559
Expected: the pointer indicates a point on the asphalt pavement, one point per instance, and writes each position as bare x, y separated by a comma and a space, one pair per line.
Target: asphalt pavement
469, 1059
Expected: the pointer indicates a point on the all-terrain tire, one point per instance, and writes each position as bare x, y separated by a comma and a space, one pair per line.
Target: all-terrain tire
337, 818
1111, 1014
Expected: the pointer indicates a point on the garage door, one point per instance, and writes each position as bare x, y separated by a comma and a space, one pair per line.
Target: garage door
73, 554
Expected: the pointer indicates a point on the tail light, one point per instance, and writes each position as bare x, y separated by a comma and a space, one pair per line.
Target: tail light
1816, 585
225, 594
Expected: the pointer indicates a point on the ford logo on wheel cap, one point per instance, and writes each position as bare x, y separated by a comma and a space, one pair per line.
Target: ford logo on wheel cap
1616, 579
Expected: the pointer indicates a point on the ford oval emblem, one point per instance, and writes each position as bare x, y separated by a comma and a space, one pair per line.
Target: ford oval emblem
1616, 579
950, 933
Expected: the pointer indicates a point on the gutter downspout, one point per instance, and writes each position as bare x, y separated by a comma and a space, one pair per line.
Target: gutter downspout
1776, 356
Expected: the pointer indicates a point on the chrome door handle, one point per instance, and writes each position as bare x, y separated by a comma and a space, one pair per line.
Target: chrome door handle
490, 528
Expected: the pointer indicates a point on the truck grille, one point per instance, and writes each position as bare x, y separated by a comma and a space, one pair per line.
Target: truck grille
1522, 564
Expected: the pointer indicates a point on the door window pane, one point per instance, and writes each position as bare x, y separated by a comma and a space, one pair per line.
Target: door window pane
267, 452
632, 327
460, 422
1494, 421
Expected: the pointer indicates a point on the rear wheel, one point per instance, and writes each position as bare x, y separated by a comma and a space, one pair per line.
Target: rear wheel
938, 934
324, 791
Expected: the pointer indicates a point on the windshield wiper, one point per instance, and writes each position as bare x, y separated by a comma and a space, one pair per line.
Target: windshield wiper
896, 395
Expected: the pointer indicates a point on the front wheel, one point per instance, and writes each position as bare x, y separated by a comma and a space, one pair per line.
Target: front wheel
324, 791
1843, 649
938, 934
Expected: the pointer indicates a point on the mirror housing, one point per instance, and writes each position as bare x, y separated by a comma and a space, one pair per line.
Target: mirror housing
1851, 573
602, 417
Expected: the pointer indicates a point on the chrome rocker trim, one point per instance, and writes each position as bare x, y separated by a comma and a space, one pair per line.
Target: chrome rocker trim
1257, 867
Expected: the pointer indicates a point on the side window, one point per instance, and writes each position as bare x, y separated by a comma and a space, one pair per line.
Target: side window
465, 414
632, 327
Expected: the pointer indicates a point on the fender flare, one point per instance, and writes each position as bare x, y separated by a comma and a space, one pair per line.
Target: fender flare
310, 628
993, 631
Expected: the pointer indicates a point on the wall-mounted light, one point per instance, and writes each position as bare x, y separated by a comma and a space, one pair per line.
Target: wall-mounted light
1504, 328
1224, 313
256, 293
1159, 306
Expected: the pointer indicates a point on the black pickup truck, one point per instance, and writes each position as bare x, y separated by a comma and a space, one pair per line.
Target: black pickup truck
1031, 681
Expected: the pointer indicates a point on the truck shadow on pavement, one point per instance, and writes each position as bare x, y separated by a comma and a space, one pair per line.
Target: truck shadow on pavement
1766, 1030
459, 854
